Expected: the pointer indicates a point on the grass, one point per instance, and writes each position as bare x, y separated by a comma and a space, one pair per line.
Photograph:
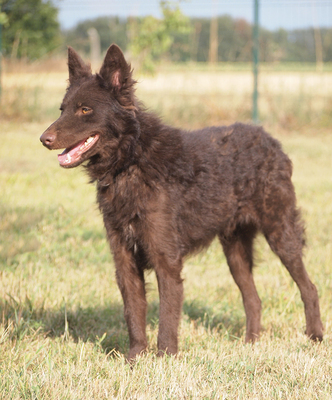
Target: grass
62, 332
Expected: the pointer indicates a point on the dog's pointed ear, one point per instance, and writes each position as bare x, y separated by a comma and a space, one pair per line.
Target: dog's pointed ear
115, 70
76, 66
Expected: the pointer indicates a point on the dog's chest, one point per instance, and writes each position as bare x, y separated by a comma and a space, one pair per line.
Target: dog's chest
125, 205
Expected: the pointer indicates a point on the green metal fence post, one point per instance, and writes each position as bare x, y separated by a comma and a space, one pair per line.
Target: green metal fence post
0, 60
255, 61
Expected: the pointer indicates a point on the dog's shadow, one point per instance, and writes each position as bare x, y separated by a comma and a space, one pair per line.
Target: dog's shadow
105, 326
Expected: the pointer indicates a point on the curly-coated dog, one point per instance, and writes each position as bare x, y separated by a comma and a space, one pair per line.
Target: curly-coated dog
165, 193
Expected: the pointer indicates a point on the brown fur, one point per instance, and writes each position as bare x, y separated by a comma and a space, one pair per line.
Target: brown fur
165, 193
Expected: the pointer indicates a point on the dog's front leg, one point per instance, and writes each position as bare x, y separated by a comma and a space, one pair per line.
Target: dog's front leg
130, 279
171, 296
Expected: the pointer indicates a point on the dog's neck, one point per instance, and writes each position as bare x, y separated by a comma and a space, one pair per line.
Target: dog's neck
147, 144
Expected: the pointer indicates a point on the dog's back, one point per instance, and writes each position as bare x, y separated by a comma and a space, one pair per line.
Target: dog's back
225, 183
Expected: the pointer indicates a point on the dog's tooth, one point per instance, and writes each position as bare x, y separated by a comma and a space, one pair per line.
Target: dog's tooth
88, 140
68, 158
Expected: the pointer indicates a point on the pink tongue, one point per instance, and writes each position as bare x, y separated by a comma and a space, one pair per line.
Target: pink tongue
67, 157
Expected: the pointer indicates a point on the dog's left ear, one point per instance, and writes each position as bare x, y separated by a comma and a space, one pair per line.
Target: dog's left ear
115, 70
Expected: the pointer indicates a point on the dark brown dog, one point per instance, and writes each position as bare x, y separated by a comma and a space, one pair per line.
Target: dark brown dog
165, 193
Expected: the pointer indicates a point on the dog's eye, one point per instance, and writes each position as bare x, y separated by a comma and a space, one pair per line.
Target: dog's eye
86, 110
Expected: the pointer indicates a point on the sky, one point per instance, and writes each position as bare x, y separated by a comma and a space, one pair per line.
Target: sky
274, 14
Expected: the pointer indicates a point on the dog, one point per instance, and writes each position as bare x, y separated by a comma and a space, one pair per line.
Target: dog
165, 193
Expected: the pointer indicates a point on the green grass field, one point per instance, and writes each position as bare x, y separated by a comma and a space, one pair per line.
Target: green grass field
62, 332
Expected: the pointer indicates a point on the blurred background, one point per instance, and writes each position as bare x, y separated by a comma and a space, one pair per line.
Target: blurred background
194, 59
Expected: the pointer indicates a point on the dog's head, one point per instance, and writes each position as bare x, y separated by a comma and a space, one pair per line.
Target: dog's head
96, 112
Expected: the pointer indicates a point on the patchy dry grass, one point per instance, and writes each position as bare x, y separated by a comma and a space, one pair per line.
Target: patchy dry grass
194, 98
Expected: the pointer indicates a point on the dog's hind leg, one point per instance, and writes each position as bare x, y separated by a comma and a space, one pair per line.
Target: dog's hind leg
130, 279
239, 253
285, 237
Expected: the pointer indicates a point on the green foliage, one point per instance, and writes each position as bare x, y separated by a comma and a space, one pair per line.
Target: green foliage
152, 37
234, 39
178, 39
110, 30
32, 29
3, 18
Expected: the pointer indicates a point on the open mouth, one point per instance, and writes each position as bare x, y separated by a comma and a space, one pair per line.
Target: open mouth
73, 154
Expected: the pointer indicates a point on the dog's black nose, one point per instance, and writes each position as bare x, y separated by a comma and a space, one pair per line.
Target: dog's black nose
47, 138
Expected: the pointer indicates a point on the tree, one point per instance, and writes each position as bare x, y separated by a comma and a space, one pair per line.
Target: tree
151, 37
32, 29
110, 29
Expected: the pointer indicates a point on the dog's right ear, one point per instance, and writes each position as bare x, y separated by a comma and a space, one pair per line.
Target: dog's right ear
77, 67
